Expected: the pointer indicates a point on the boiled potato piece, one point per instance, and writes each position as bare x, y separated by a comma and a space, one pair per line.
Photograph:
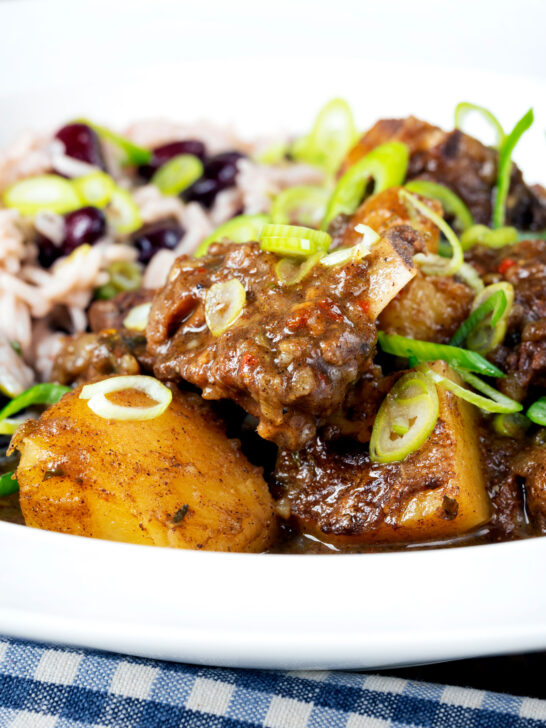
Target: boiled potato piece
338, 495
175, 480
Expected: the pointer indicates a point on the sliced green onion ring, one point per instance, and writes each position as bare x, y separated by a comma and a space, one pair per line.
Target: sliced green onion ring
537, 412
290, 271
8, 484
333, 134
427, 351
224, 303
482, 235
303, 205
540, 235
132, 154
494, 401
95, 189
386, 165
490, 328
275, 153
355, 252
123, 213
430, 263
451, 202
137, 318
294, 240
45, 193
178, 173
485, 328
240, 229
405, 419
44, 393
463, 109
469, 275
505, 167
95, 394
513, 424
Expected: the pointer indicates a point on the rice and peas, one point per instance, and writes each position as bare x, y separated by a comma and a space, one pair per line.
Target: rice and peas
41, 304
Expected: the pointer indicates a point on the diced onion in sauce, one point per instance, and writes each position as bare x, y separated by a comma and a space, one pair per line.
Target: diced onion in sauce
103, 407
405, 419
137, 318
224, 304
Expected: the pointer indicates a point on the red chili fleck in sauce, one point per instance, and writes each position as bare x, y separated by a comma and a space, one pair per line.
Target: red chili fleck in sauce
329, 308
507, 263
299, 319
248, 361
364, 306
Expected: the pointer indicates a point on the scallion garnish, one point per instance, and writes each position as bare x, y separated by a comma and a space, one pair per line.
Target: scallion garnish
97, 401
493, 401
513, 424
505, 167
178, 173
386, 165
482, 235
405, 419
485, 328
45, 193
463, 109
8, 484
44, 393
428, 351
537, 412
95, 189
240, 229
224, 303
451, 202
123, 213
293, 240
303, 205
290, 271
333, 134
430, 263
132, 154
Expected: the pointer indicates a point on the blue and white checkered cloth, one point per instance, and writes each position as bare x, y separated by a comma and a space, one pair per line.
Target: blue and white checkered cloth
50, 687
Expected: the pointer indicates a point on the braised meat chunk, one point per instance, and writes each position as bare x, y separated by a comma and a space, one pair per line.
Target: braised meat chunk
337, 494
294, 350
460, 162
522, 355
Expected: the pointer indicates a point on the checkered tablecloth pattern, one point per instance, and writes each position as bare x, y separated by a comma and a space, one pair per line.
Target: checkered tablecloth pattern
42, 686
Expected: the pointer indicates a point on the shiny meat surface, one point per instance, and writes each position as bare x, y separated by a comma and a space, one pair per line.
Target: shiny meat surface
531, 465
111, 314
294, 351
522, 355
460, 162
336, 493
84, 357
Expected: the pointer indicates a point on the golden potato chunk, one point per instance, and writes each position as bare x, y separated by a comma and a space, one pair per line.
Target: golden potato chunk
175, 480
338, 495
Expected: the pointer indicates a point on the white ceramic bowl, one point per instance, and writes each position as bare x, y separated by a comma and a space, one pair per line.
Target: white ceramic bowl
261, 72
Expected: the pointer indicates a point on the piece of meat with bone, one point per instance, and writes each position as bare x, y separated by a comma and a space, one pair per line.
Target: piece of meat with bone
522, 355
333, 491
293, 352
459, 162
430, 308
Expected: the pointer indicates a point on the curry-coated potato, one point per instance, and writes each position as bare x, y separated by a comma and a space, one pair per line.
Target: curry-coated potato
175, 480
